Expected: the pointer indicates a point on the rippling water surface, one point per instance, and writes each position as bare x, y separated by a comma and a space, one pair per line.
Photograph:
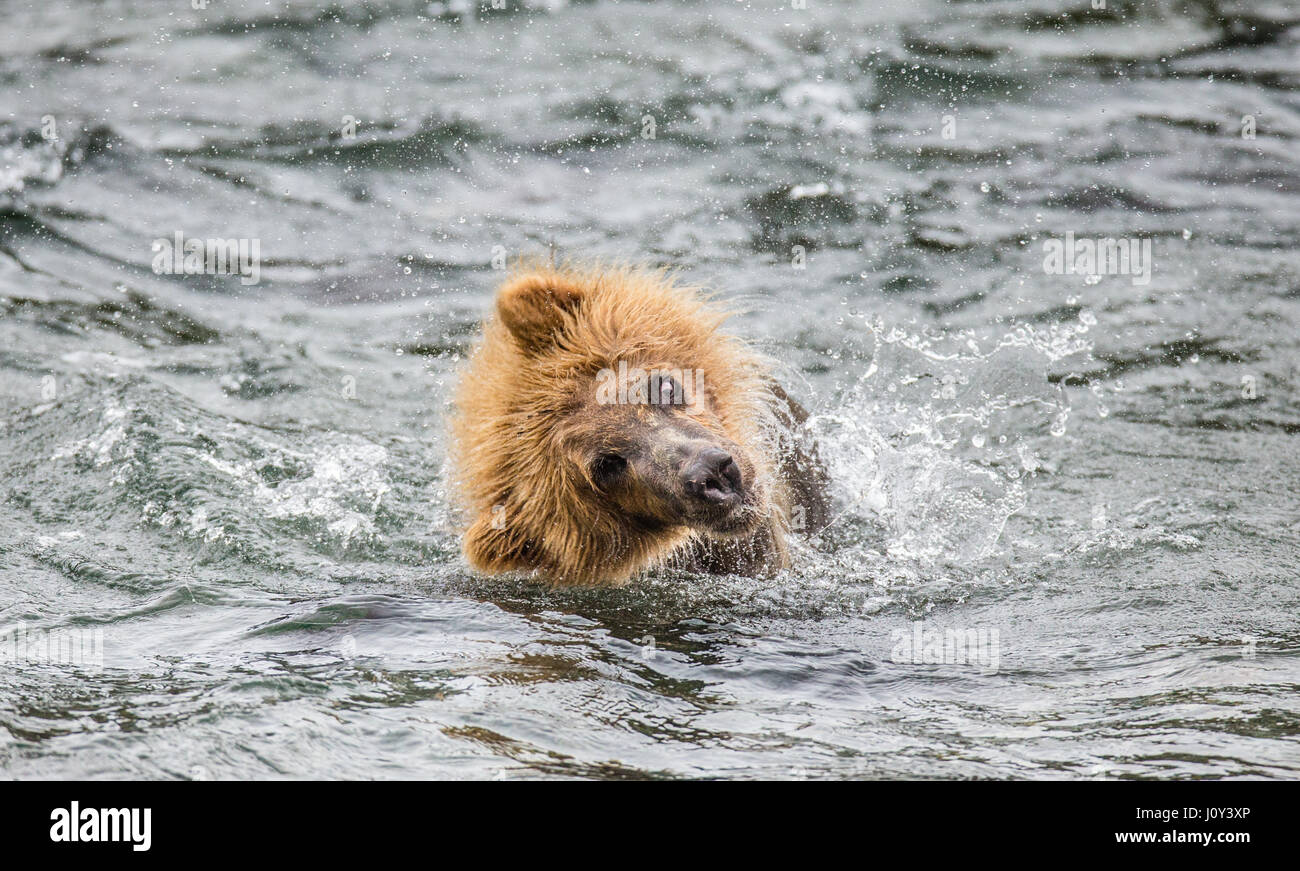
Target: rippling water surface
241, 487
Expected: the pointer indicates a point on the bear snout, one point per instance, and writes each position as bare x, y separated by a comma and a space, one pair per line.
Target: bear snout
712, 477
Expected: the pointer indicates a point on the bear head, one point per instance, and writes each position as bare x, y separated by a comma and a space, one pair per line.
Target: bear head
603, 423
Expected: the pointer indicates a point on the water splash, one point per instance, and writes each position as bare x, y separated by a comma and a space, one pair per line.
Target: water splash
933, 446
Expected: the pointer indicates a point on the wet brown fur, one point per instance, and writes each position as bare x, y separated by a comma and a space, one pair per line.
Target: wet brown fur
525, 417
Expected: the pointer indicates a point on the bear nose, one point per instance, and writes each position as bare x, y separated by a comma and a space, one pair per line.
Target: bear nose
712, 476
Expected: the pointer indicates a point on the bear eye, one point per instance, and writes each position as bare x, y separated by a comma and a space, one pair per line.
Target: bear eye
607, 468
666, 392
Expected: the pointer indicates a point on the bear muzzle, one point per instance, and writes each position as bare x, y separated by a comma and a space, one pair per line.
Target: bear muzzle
712, 476
714, 487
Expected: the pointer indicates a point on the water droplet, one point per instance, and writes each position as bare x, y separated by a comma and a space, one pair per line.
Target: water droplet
1099, 517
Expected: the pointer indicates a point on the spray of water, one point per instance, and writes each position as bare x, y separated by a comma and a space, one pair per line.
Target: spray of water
932, 447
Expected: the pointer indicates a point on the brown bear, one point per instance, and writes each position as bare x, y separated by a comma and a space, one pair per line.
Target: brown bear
604, 425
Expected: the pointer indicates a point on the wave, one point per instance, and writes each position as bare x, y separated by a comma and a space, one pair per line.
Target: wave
39, 157
427, 142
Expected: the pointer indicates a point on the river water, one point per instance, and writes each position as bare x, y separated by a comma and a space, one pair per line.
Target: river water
231, 495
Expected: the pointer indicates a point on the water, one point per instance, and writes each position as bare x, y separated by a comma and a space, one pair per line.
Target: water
241, 487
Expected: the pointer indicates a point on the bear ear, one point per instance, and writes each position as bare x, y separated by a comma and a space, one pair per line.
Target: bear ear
491, 547
533, 307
